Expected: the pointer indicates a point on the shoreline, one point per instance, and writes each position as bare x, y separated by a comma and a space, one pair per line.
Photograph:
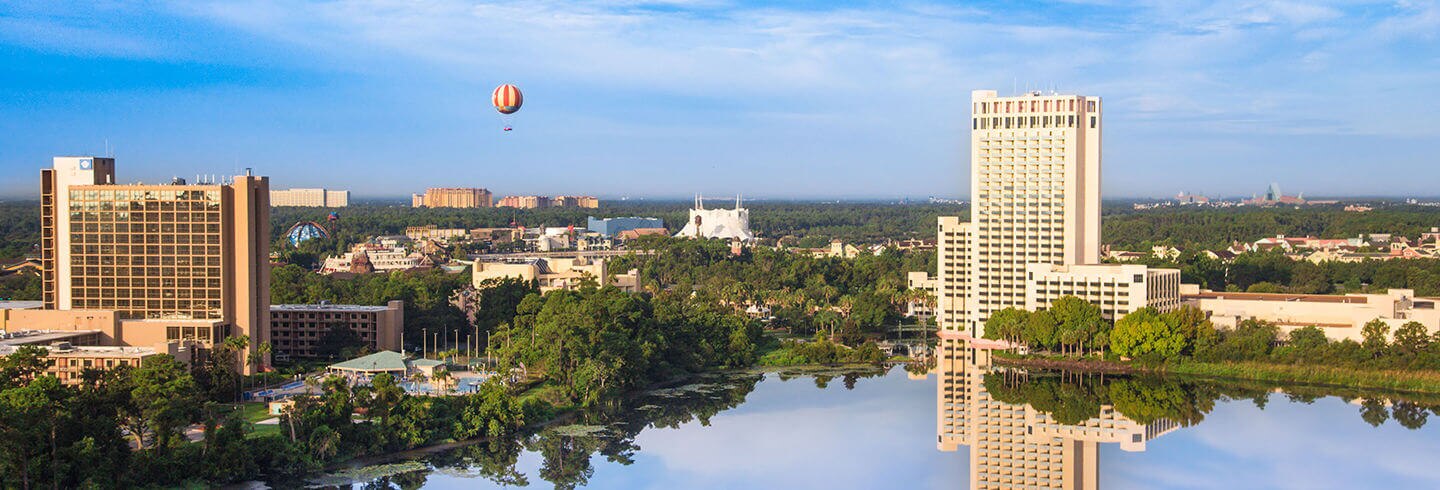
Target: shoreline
561, 417
1425, 383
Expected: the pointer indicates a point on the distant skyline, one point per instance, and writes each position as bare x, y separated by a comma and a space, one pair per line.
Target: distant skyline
804, 100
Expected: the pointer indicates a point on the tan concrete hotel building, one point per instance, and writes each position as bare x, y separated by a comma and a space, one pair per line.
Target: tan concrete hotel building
453, 197
148, 264
1035, 186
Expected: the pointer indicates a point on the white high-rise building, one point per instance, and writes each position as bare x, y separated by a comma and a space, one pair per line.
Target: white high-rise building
316, 198
1035, 188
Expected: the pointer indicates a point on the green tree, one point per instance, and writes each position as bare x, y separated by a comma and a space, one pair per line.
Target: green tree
1411, 338
1041, 330
163, 402
1373, 412
1143, 334
385, 395
1308, 339
1375, 333
1007, 324
1079, 322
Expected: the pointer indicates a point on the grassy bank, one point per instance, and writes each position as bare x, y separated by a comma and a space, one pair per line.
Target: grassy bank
1391, 380
1370, 379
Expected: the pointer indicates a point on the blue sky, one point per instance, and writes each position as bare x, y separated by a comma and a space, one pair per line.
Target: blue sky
670, 98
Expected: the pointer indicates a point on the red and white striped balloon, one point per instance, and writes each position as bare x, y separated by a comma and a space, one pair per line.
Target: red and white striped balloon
507, 99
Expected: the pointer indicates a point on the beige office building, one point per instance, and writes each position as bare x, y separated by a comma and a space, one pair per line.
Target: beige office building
1339, 316
453, 197
313, 198
1017, 446
1035, 188
147, 264
1118, 289
298, 329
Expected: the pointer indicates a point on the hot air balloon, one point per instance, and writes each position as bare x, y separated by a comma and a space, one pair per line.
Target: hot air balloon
507, 100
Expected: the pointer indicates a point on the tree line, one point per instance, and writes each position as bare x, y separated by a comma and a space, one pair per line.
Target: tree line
1273, 272
845, 298
1216, 228
1074, 327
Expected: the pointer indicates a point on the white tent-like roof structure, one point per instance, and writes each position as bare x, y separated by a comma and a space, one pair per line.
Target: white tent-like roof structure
729, 224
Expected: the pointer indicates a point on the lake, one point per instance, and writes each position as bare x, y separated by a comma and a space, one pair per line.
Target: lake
963, 424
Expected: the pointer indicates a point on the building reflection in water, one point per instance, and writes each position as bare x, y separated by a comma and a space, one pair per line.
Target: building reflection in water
1015, 445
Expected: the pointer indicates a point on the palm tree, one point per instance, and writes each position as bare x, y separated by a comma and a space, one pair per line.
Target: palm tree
236, 345
264, 350
443, 379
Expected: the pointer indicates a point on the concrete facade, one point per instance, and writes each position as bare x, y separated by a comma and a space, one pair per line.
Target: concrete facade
1118, 289
952, 278
1340, 317
1035, 184
147, 264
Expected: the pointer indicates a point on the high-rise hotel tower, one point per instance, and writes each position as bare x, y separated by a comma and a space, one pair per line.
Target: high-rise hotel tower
1035, 192
146, 264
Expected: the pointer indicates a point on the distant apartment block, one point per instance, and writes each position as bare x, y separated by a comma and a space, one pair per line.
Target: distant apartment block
298, 329
536, 202
313, 198
146, 264
588, 202
453, 197
524, 202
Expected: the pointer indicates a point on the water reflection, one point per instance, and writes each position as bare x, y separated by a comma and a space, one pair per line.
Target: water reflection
1013, 443
1042, 429
1018, 428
